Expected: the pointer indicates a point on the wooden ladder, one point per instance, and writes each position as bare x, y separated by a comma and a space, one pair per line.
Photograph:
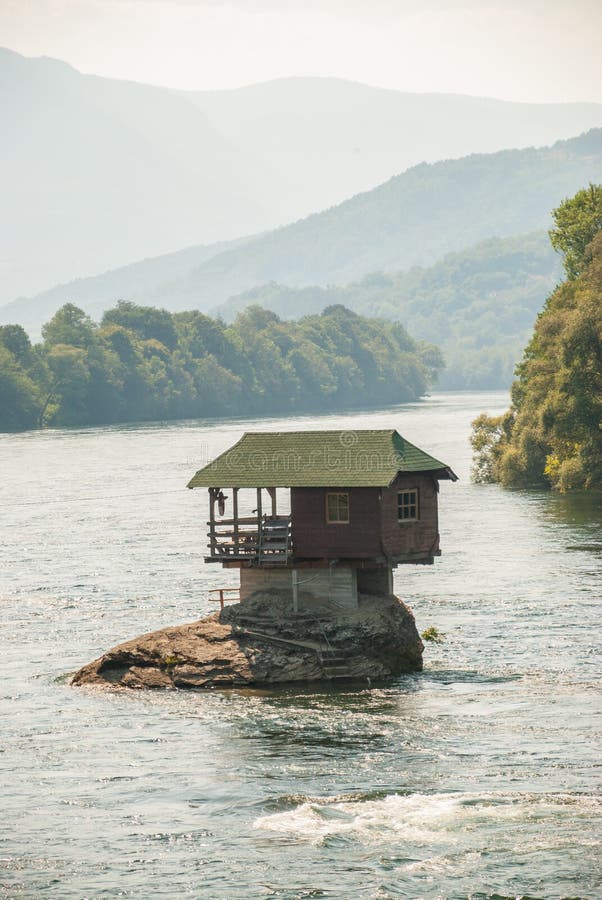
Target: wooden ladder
274, 544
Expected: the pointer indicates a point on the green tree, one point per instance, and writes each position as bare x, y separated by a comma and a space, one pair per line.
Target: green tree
16, 339
69, 388
577, 221
552, 435
147, 322
202, 335
70, 325
19, 395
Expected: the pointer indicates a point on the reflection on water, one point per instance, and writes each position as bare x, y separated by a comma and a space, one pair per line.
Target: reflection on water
473, 779
583, 509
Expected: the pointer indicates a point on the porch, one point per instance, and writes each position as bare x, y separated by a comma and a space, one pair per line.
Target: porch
260, 538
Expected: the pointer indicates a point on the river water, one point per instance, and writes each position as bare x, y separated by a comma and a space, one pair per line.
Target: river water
473, 779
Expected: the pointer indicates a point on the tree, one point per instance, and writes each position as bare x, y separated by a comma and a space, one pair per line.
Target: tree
202, 335
578, 220
16, 339
146, 321
70, 325
19, 396
69, 389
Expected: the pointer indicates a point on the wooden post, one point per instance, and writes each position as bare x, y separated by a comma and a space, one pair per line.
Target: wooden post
235, 517
259, 503
295, 575
272, 493
259, 525
212, 500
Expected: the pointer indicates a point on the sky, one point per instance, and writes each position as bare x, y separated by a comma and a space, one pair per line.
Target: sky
526, 50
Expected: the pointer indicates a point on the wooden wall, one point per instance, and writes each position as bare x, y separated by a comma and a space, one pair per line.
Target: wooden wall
419, 538
314, 537
373, 530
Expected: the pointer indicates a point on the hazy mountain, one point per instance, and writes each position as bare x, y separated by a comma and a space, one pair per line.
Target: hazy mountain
96, 172
99, 292
326, 139
478, 306
413, 219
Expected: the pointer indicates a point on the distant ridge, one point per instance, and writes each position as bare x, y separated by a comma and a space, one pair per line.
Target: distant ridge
478, 305
98, 292
96, 173
415, 218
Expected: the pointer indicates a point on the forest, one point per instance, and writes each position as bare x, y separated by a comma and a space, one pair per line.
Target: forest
552, 434
478, 305
144, 364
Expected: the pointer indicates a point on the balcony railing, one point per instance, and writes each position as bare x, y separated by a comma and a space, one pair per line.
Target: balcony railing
263, 541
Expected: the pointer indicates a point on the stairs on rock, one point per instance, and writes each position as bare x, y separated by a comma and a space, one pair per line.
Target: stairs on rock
334, 664
333, 661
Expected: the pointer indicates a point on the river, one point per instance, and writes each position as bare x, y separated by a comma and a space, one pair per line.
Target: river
473, 779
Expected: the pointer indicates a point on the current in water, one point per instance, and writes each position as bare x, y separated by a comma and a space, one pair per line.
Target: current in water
473, 779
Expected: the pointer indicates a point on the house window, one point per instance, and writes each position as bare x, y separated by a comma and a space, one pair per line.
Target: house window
407, 506
337, 508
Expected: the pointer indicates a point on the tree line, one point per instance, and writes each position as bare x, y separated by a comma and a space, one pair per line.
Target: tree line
142, 364
552, 433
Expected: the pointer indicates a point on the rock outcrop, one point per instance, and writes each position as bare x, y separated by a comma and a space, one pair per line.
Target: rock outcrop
261, 641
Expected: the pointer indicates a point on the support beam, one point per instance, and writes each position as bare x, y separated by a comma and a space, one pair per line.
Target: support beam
235, 517
259, 513
272, 492
259, 526
212, 502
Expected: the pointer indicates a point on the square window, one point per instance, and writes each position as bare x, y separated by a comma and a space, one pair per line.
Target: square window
407, 506
337, 508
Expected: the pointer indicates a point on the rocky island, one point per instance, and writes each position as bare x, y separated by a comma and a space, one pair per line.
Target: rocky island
259, 641
319, 521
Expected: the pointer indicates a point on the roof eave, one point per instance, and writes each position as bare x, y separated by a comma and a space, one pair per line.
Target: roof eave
444, 473
448, 474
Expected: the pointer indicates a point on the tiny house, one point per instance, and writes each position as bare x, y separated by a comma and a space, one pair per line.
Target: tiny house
349, 505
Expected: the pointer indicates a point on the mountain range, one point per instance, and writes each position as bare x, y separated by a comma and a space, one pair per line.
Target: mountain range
95, 173
413, 219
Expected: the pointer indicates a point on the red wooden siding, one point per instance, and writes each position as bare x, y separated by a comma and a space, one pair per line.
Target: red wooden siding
420, 537
314, 537
373, 530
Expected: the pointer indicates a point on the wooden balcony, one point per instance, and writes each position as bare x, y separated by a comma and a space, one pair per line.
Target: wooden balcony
262, 541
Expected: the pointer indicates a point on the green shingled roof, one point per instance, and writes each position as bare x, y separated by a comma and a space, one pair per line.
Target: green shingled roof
317, 459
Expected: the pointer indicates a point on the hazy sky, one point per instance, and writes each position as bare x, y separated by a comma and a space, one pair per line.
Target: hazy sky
513, 49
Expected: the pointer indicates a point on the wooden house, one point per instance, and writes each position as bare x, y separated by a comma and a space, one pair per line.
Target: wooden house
349, 505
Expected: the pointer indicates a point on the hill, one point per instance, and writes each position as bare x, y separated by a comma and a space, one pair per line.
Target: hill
95, 173
478, 306
338, 138
413, 219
